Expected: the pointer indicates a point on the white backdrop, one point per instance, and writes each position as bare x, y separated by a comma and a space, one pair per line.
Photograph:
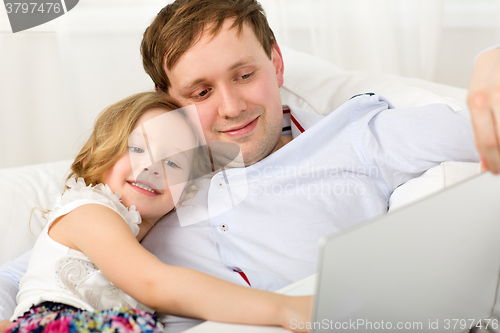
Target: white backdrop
55, 78
435, 40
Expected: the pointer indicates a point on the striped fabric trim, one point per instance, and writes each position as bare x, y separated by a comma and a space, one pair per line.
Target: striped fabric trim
287, 123
288, 120
243, 275
296, 123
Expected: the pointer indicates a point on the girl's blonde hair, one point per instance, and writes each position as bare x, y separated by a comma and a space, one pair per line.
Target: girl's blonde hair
109, 139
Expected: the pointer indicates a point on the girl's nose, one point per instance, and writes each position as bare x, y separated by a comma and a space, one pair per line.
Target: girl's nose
155, 172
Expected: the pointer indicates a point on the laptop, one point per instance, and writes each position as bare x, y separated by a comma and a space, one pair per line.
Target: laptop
430, 267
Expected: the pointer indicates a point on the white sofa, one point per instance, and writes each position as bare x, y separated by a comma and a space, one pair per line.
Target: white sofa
310, 83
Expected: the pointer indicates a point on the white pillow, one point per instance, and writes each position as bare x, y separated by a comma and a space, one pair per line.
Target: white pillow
318, 86
22, 189
433, 180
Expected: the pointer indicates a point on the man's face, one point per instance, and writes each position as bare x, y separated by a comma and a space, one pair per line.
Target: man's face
235, 87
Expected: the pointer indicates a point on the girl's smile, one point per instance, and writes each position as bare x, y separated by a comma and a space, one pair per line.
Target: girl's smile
145, 188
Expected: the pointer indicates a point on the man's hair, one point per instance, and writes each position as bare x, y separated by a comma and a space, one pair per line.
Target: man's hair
181, 24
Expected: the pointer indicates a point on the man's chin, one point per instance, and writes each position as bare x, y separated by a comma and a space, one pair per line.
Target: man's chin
238, 154
256, 155
231, 155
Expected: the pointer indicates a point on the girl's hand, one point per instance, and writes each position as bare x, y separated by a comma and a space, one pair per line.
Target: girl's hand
298, 312
5, 325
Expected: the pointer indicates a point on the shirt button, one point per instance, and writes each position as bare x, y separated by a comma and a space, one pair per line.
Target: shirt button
224, 227
220, 184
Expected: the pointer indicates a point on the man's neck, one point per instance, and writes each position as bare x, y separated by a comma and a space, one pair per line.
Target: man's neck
283, 141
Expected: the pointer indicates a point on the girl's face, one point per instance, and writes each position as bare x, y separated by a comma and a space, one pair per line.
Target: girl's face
152, 174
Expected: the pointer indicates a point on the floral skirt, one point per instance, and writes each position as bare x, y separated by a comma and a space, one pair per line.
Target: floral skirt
62, 318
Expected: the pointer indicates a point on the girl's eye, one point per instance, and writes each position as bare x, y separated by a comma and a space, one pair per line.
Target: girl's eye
136, 150
171, 164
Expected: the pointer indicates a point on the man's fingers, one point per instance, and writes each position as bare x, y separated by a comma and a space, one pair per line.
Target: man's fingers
486, 131
488, 145
484, 104
496, 123
483, 165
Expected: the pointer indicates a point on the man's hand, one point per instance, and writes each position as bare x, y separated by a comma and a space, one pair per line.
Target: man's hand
5, 325
484, 103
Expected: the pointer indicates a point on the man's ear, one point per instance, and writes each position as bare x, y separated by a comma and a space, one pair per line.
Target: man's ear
158, 88
183, 196
279, 65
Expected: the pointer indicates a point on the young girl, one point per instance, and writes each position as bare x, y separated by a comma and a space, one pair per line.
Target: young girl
88, 271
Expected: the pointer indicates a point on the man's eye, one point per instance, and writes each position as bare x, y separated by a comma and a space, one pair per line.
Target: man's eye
202, 94
136, 150
245, 76
171, 164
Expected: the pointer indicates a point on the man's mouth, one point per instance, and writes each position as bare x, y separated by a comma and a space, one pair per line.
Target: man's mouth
241, 130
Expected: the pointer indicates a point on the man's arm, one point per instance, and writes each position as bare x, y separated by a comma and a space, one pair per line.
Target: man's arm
10, 275
404, 143
484, 103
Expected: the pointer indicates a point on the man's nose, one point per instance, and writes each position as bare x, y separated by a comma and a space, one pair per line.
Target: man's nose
231, 103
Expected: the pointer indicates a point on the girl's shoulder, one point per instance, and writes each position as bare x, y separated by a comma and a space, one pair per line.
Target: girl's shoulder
78, 194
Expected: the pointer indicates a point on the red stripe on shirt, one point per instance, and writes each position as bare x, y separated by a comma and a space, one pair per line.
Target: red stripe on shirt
301, 129
243, 276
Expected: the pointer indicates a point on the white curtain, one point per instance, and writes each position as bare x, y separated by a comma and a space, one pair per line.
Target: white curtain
430, 39
55, 78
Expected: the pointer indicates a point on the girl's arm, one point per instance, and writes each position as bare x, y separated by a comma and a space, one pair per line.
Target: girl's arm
5, 325
105, 238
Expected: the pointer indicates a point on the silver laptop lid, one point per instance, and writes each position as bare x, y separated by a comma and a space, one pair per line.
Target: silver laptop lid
432, 266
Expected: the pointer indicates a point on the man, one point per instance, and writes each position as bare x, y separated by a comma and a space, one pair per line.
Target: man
260, 225
222, 57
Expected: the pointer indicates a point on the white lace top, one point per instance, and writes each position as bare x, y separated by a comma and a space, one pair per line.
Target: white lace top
57, 273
